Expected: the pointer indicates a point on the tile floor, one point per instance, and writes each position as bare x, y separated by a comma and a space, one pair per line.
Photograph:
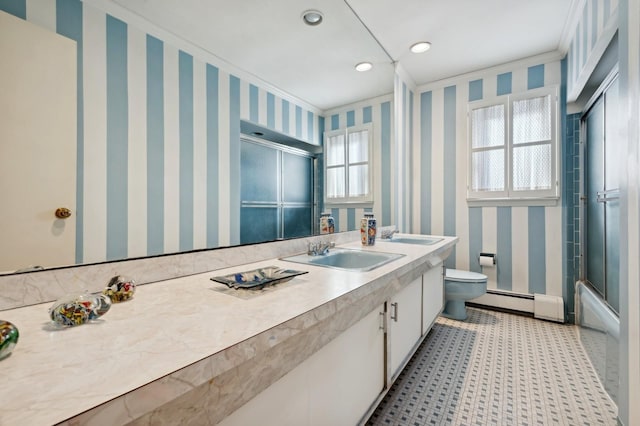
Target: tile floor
498, 369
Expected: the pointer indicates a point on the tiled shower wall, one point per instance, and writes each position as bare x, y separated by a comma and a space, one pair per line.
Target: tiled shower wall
572, 197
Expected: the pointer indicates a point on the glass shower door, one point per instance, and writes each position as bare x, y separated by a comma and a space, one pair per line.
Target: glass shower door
276, 193
602, 197
594, 185
602, 234
610, 197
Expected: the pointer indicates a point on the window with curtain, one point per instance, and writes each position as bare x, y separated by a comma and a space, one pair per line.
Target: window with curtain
513, 147
348, 173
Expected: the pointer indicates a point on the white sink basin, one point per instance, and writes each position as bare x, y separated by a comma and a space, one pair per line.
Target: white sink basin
423, 240
347, 259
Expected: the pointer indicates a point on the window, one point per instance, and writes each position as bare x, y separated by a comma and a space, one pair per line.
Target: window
347, 165
513, 147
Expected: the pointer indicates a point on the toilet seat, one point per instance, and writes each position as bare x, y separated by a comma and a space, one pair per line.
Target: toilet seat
464, 276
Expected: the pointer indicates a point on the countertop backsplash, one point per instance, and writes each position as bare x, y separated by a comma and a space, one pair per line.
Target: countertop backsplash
30, 288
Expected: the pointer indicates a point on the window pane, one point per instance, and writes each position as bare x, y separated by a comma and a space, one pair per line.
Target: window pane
532, 167
488, 170
335, 150
335, 182
358, 180
487, 126
359, 146
532, 120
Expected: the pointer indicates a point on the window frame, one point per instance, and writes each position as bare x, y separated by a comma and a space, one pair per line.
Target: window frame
366, 199
511, 196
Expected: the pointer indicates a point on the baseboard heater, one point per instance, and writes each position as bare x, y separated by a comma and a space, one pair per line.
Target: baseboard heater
541, 306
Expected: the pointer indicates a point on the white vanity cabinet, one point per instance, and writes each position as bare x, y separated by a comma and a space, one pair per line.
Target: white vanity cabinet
335, 386
347, 375
410, 314
432, 296
338, 384
404, 312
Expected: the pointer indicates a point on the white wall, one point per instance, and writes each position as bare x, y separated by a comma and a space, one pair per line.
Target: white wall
629, 38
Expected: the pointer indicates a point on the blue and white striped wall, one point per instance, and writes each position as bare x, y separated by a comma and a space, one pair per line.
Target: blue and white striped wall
158, 133
379, 112
402, 181
527, 240
595, 27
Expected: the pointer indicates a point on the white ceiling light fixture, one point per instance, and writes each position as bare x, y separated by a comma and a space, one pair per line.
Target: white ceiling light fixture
420, 47
312, 17
364, 66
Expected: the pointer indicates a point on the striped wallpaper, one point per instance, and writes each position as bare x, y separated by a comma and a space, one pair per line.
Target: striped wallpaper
158, 135
594, 30
156, 126
526, 240
403, 142
379, 112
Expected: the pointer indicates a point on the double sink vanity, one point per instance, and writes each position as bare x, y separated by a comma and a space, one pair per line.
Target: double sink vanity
321, 348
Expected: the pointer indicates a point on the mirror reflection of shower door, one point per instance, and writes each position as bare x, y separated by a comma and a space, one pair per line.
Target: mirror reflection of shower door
602, 197
276, 193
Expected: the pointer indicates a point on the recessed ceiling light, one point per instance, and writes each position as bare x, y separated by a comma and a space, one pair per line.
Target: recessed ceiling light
421, 47
364, 66
312, 17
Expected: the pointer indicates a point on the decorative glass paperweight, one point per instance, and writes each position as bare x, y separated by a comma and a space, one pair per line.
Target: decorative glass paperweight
79, 309
8, 338
120, 289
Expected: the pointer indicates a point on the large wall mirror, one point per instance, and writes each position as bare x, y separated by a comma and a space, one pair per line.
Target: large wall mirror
156, 97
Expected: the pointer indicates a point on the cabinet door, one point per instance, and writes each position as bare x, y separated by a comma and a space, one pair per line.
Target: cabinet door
334, 386
347, 375
405, 310
284, 403
432, 296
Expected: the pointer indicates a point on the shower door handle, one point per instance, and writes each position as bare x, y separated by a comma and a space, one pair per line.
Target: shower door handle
608, 195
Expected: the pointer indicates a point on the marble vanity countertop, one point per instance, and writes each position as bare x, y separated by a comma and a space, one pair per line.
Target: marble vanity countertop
172, 336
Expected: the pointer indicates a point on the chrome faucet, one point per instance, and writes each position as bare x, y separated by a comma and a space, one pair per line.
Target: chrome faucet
387, 235
320, 248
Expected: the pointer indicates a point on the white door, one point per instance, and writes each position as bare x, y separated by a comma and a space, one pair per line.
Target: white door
37, 145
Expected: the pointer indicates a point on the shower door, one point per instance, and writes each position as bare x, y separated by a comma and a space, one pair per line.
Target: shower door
602, 214
276, 192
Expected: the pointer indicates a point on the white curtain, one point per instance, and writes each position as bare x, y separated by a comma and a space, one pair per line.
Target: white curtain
532, 126
488, 131
358, 172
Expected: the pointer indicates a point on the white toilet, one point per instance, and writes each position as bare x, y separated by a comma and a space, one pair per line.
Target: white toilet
458, 287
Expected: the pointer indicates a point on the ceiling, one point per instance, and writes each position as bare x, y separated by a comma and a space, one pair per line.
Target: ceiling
267, 40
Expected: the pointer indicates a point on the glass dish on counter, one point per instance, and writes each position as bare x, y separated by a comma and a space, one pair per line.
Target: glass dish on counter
258, 278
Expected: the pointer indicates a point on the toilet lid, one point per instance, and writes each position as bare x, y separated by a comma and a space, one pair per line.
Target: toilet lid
464, 276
